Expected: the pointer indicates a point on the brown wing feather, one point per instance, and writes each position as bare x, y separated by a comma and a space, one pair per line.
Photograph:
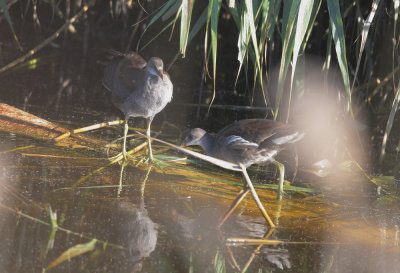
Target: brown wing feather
136, 60
251, 141
123, 75
252, 130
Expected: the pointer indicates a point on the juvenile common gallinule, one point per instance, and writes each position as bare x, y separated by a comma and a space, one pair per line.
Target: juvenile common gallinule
246, 142
139, 89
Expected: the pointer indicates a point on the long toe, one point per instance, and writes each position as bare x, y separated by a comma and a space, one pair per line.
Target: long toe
122, 156
151, 155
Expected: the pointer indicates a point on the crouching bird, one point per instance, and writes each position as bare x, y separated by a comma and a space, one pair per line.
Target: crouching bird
246, 142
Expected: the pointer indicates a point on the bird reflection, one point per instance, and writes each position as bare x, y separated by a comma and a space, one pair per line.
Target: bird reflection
279, 257
138, 232
185, 225
266, 255
197, 232
397, 176
198, 227
262, 257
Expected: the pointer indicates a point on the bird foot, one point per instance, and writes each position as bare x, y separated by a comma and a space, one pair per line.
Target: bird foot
155, 162
126, 157
123, 156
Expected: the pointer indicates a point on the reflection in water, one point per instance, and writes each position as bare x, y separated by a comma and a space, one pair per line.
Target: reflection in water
397, 177
142, 183
7, 220
137, 231
189, 237
200, 231
276, 256
268, 257
364, 249
185, 225
249, 227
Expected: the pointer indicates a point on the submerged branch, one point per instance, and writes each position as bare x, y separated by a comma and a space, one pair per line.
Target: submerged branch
19, 122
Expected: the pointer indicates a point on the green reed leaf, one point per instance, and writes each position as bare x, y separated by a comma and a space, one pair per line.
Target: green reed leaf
364, 35
289, 18
186, 15
340, 46
72, 252
3, 6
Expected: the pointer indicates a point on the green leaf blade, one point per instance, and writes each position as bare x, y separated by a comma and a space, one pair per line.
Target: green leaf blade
336, 23
186, 14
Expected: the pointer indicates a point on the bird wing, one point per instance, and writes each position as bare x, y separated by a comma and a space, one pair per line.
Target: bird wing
130, 73
237, 142
124, 75
264, 132
252, 130
136, 60
281, 136
236, 149
255, 140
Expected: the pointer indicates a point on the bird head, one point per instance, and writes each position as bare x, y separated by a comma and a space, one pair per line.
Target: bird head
155, 66
193, 137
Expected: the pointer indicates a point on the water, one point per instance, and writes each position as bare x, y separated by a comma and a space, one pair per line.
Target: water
172, 227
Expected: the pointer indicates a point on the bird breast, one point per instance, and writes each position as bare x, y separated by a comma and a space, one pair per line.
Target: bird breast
149, 101
159, 90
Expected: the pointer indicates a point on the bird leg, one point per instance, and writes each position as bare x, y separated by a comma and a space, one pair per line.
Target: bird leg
123, 154
255, 196
148, 121
234, 205
126, 127
121, 174
281, 168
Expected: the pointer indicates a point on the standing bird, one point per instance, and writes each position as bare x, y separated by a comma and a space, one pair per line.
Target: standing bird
246, 142
139, 89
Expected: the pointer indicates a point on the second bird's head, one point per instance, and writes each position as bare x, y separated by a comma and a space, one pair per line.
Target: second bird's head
193, 137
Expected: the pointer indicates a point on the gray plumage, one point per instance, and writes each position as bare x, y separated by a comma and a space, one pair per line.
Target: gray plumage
139, 88
247, 142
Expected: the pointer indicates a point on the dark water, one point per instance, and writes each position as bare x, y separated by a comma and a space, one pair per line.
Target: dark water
163, 221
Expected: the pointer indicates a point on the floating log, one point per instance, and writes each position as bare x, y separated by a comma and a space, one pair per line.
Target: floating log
19, 122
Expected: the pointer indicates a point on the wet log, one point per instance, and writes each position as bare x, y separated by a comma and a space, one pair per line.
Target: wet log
19, 122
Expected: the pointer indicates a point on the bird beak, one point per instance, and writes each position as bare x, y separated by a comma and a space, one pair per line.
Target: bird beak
160, 73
